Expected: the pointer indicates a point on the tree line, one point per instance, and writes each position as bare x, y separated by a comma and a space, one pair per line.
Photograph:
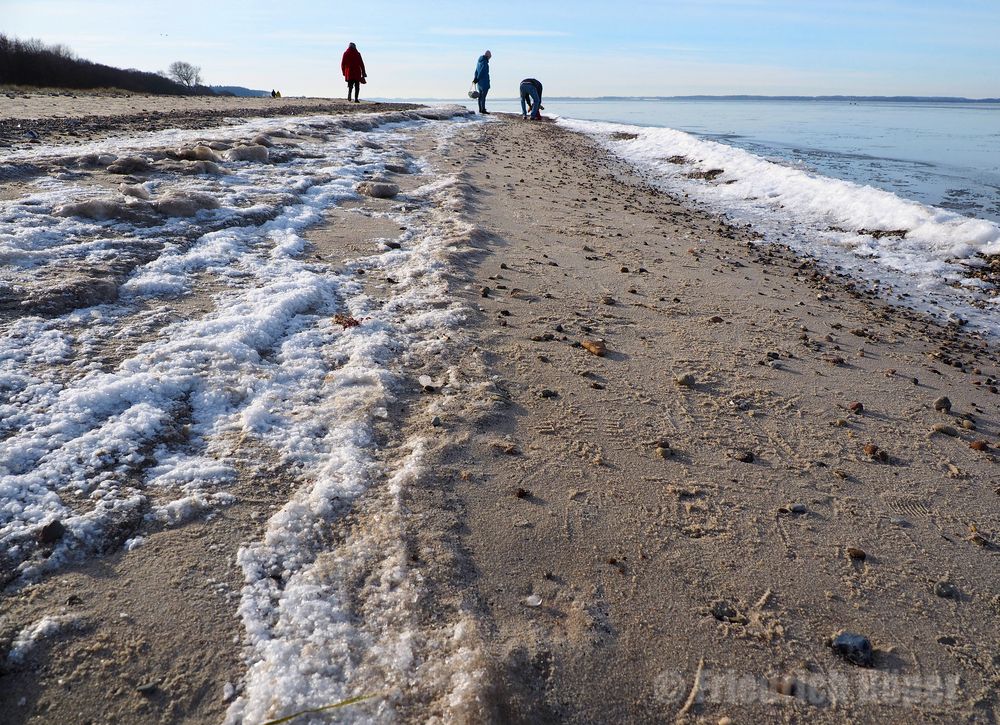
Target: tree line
32, 63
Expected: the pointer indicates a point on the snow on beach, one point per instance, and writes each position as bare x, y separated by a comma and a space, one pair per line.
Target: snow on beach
115, 411
917, 255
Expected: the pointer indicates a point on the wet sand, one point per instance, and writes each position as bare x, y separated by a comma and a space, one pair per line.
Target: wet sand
671, 529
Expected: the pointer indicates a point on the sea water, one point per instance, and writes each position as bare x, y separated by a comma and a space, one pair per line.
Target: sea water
943, 154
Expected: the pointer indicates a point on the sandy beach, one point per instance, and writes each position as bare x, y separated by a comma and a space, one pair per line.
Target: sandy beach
648, 469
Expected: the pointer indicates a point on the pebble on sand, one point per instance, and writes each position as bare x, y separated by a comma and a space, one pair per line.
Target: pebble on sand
942, 404
944, 429
688, 380
378, 189
946, 590
594, 347
856, 554
855, 648
876, 453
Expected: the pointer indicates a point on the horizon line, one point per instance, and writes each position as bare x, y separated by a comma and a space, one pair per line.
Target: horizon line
730, 96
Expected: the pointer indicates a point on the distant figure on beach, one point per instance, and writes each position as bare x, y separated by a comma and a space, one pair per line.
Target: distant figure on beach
272, 93
482, 79
531, 98
353, 68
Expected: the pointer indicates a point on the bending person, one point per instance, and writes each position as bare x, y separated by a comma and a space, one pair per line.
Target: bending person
531, 94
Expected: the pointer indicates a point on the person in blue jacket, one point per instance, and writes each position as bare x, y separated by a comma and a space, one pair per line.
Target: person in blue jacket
531, 98
482, 79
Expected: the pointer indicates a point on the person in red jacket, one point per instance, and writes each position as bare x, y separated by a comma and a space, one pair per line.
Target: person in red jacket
353, 68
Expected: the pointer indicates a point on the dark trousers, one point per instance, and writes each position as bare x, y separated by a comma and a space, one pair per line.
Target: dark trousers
482, 98
356, 85
530, 93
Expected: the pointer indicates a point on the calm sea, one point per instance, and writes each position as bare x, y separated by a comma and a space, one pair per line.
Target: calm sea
942, 154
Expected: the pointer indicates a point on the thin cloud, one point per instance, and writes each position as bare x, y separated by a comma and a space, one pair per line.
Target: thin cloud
509, 33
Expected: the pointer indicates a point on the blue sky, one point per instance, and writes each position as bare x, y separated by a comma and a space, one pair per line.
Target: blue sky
580, 48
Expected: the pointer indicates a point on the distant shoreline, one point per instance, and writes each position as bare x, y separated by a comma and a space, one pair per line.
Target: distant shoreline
854, 99
76, 117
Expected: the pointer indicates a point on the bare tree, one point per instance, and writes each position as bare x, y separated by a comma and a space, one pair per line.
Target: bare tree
185, 73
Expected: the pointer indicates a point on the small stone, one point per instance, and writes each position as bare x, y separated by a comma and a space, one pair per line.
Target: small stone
798, 508
51, 532
942, 404
436, 421
147, 688
546, 393
662, 451
981, 446
855, 648
594, 347
856, 554
944, 429
968, 425
856, 407
876, 453
533, 601
743, 456
946, 590
484, 292
607, 300
378, 189
522, 493
724, 611
840, 423
228, 692
624, 270
687, 380
715, 319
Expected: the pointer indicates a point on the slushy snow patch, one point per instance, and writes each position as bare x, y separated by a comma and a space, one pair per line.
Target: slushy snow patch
28, 637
